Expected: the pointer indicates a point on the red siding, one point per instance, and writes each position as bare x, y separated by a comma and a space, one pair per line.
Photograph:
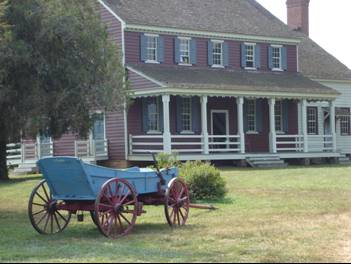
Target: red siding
65, 145
140, 83
132, 42
114, 27
115, 135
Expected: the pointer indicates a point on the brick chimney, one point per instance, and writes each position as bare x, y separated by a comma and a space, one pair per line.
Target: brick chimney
298, 15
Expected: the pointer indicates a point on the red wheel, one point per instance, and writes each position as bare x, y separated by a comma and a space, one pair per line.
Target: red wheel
43, 213
177, 203
116, 208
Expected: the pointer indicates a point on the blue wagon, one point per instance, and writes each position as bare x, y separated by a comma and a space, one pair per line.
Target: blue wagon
114, 198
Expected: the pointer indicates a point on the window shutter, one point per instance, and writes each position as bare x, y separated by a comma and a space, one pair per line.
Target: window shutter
177, 50
161, 112
179, 114
270, 57
226, 54
286, 116
210, 53
284, 59
161, 49
195, 104
259, 116
258, 56
145, 114
143, 45
245, 116
243, 55
193, 51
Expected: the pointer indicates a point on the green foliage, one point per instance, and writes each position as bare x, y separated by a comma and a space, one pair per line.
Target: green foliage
167, 160
58, 64
204, 181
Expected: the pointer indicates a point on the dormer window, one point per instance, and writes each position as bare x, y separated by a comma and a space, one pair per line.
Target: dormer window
151, 48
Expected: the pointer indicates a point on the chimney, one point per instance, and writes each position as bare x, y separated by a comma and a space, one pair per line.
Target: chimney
298, 15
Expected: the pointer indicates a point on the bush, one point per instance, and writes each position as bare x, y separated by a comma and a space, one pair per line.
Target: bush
204, 181
167, 160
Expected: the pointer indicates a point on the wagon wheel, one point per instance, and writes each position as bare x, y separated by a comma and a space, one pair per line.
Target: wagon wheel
116, 208
177, 203
43, 213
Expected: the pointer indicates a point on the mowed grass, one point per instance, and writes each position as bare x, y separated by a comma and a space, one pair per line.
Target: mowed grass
290, 215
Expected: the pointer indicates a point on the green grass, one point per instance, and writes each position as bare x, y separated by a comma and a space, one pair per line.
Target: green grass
290, 215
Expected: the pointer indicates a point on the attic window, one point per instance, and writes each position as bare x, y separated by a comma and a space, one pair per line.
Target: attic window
250, 56
217, 54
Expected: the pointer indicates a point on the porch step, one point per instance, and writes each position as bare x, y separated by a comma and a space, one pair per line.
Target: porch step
266, 162
344, 160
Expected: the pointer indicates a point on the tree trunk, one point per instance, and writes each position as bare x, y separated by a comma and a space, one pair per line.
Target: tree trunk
4, 176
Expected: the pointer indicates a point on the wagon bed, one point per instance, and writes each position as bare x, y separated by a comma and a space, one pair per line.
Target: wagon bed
114, 198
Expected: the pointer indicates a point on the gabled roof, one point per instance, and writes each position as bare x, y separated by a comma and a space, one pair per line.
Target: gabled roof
245, 17
196, 79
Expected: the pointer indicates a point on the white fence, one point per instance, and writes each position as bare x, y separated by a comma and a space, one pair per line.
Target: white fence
91, 149
295, 143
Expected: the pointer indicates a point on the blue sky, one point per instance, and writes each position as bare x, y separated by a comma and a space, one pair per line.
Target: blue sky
330, 24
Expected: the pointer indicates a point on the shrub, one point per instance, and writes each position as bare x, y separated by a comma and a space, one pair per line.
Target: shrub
204, 181
167, 160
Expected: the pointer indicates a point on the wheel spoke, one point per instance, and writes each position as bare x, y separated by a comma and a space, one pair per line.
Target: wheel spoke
52, 224
57, 222
47, 222
120, 223
42, 211
41, 197
129, 223
181, 214
37, 204
45, 192
41, 219
124, 198
63, 218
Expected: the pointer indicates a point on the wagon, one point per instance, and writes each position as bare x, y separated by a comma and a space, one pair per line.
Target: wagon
114, 198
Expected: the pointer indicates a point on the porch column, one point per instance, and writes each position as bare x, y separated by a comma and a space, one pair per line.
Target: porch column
304, 125
241, 132
272, 133
204, 101
167, 148
332, 123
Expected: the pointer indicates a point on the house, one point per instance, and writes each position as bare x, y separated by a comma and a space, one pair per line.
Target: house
217, 80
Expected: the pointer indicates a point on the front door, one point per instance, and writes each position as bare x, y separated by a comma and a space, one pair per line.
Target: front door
219, 128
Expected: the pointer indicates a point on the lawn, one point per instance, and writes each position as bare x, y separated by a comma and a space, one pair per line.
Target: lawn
290, 215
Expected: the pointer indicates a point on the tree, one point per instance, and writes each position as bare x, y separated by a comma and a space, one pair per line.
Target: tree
57, 64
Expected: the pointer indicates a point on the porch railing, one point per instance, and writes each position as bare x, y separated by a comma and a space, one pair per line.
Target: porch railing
87, 149
184, 144
290, 143
320, 143
14, 154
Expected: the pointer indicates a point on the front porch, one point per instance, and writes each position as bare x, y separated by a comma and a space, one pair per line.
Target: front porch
225, 128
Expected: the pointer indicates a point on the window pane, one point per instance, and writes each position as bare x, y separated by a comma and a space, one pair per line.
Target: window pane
185, 51
312, 121
250, 57
151, 48
279, 116
276, 58
153, 114
186, 114
217, 53
251, 115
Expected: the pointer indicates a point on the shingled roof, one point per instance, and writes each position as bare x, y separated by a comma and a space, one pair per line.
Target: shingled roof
246, 17
219, 79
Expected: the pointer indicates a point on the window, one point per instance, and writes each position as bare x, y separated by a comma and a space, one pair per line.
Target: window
312, 120
251, 115
276, 58
186, 114
151, 48
184, 46
98, 130
279, 116
217, 53
250, 56
345, 121
153, 109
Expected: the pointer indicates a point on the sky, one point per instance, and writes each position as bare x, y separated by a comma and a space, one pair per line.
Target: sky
330, 24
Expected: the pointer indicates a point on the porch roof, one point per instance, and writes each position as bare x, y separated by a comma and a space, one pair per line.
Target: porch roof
181, 79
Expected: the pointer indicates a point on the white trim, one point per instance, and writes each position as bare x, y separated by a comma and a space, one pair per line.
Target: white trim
152, 62
146, 77
225, 93
112, 12
185, 38
217, 41
207, 34
151, 35
226, 112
